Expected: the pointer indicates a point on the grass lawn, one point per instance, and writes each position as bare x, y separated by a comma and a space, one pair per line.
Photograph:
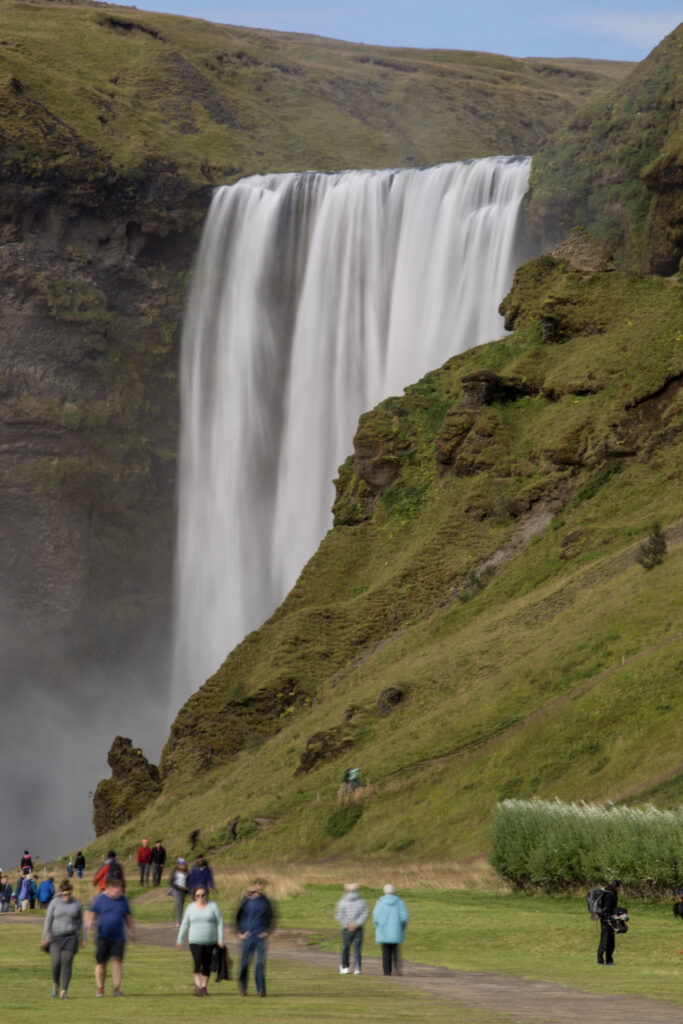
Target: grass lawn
157, 986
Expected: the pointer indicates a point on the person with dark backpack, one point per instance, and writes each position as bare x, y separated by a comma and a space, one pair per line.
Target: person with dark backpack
608, 906
110, 869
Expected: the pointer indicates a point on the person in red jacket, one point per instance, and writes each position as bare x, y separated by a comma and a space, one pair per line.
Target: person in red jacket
144, 861
110, 866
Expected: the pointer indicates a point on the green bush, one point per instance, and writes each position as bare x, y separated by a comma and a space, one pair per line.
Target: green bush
342, 820
557, 845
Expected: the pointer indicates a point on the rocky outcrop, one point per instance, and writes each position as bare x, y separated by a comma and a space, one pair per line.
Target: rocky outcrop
134, 783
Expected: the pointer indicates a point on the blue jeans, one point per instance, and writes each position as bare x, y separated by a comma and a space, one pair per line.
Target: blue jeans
253, 944
350, 938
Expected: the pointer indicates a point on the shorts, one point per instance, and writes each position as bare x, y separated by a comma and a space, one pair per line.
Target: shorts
201, 957
108, 948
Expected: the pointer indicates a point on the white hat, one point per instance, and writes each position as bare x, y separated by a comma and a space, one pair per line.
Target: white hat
388, 889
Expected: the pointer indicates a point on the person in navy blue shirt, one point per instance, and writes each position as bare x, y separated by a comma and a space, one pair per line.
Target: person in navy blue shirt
112, 911
254, 922
201, 874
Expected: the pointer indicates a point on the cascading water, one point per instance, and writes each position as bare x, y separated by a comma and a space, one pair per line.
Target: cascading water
315, 297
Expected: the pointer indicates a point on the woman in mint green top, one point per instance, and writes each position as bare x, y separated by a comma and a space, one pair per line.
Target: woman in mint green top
202, 919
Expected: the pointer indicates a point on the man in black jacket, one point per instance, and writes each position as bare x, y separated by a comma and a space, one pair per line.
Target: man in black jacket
158, 861
608, 907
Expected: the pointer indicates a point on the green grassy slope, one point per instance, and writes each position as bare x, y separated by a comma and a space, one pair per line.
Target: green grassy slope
616, 167
217, 102
494, 583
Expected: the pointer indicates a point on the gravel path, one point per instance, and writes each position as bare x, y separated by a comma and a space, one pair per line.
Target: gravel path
526, 1002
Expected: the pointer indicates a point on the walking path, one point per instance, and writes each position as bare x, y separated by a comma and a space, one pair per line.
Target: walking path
526, 1002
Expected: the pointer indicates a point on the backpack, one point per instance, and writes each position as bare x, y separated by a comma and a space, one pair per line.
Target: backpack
594, 900
115, 871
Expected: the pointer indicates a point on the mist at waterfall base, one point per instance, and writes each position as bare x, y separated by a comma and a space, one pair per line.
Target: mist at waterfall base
315, 296
59, 718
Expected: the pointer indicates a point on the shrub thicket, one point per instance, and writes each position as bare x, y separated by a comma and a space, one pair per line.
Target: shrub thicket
553, 845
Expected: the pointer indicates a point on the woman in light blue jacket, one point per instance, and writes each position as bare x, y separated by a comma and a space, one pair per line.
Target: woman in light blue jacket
390, 918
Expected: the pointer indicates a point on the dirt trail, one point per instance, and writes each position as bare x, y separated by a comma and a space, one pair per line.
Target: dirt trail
526, 1002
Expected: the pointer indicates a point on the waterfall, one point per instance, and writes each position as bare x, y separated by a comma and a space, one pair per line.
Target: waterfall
315, 296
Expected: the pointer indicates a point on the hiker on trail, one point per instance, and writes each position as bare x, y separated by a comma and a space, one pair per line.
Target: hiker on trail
254, 922
194, 836
205, 925
70, 868
26, 862
144, 858
111, 911
353, 780
607, 908
201, 874
5, 894
46, 891
390, 918
110, 867
79, 864
233, 827
179, 889
158, 861
62, 931
352, 912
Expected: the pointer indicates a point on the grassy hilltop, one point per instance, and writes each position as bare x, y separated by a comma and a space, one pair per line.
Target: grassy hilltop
124, 90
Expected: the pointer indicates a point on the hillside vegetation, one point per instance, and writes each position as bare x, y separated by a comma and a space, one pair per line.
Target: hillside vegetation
94, 89
477, 625
616, 167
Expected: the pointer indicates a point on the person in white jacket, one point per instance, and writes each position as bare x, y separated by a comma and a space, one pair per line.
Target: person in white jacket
352, 912
205, 925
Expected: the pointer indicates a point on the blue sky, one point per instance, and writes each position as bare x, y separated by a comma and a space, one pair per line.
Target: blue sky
608, 29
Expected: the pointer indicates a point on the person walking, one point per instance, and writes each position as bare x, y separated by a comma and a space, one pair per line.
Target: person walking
111, 911
390, 918
179, 888
5, 894
254, 922
110, 867
144, 858
607, 909
203, 921
46, 891
24, 891
158, 861
79, 864
201, 874
351, 912
63, 929
26, 863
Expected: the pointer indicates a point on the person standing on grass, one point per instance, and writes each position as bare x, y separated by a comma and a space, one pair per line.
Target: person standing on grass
158, 861
390, 918
79, 864
62, 931
112, 912
607, 908
5, 894
144, 861
205, 925
46, 891
352, 913
201, 874
179, 889
254, 922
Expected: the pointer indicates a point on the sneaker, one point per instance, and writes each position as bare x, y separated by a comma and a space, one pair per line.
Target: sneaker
343, 970
118, 992
610, 963
204, 991
53, 994
100, 992
357, 970
261, 994
197, 990
63, 996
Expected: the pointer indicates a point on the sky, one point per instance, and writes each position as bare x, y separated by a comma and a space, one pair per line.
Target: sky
605, 29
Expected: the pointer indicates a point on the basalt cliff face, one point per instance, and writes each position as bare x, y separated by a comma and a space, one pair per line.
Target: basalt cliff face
91, 287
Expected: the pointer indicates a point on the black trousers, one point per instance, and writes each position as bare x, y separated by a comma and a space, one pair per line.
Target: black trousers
390, 958
606, 947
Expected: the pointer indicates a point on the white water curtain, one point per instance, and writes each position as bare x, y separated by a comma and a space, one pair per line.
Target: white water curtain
315, 296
